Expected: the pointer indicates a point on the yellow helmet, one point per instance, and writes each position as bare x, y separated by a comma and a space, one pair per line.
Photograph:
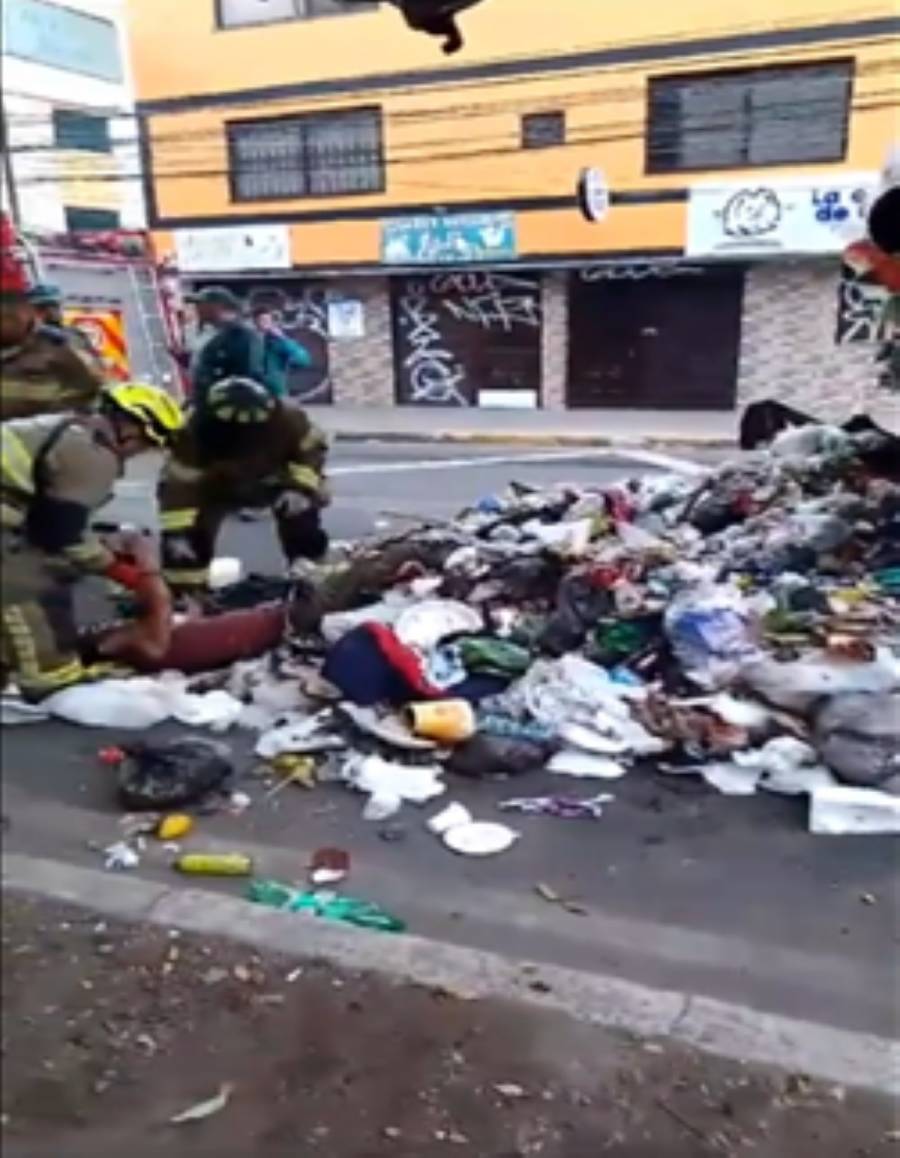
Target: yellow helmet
154, 409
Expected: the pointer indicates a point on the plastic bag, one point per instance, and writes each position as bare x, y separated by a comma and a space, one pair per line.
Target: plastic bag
157, 776
382, 779
710, 633
349, 910
579, 605
841, 811
141, 703
858, 737
798, 684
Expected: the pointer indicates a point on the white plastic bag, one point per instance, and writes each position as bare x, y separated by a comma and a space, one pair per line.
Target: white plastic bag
842, 811
798, 684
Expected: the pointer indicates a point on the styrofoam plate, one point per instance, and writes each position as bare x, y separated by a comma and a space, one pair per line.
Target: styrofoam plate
480, 838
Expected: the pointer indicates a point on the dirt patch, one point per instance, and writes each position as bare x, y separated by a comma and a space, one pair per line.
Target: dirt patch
111, 1029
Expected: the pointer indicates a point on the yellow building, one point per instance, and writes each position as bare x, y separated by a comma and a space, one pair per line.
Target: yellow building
417, 218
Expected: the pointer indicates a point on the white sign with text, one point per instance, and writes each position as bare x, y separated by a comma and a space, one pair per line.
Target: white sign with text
779, 215
233, 248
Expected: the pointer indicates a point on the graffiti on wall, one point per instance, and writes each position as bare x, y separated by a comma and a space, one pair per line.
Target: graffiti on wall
457, 334
638, 272
301, 311
861, 307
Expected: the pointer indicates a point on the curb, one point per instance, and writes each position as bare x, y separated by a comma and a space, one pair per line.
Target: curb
475, 438
735, 1032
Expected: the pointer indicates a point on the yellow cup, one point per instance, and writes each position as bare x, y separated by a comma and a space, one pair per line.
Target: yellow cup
445, 721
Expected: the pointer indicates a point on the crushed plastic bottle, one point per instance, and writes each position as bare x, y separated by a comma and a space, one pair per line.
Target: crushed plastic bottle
349, 910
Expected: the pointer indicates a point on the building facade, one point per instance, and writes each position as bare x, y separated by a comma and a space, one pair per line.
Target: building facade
650, 215
69, 127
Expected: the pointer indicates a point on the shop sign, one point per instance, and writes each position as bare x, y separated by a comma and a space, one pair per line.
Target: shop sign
778, 216
449, 239
232, 249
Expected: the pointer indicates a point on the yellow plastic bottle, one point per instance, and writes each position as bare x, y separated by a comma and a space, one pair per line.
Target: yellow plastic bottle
210, 864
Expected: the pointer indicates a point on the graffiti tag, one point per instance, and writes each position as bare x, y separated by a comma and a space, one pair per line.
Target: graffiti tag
434, 374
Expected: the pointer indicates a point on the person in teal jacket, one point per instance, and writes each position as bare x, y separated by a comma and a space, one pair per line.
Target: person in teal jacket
281, 354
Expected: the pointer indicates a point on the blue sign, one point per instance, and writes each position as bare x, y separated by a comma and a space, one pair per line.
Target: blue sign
449, 239
62, 38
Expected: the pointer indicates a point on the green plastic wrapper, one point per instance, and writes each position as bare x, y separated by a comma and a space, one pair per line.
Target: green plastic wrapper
332, 906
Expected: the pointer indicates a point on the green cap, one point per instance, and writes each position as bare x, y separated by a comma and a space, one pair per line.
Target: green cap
45, 294
215, 295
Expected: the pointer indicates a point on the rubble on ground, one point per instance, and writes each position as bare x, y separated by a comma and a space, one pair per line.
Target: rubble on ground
743, 627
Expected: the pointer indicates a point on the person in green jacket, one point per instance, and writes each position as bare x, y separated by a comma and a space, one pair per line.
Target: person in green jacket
281, 353
227, 345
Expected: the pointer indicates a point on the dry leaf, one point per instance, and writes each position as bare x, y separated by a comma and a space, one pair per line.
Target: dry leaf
204, 1109
509, 1090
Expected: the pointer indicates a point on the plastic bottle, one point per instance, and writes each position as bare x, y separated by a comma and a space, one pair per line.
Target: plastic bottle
233, 864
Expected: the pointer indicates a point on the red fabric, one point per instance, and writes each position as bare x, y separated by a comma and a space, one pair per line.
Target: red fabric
403, 660
206, 644
127, 574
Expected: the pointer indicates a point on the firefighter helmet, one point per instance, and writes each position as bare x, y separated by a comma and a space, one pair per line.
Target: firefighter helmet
154, 409
239, 401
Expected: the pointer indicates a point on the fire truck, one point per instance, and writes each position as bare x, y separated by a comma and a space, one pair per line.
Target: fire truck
113, 291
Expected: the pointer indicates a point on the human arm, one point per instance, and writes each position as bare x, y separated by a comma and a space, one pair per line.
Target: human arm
291, 352
304, 472
144, 642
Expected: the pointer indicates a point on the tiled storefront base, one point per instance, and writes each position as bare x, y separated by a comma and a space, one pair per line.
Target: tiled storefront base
788, 347
362, 370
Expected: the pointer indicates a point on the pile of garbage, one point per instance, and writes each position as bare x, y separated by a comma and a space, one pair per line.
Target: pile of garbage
742, 626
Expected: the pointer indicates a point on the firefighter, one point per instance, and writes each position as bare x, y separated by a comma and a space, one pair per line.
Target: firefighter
56, 471
242, 449
42, 371
47, 300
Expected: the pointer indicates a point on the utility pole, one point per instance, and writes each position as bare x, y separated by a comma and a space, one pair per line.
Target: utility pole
9, 176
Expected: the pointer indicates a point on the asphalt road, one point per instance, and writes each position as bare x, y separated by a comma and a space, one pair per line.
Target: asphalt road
681, 888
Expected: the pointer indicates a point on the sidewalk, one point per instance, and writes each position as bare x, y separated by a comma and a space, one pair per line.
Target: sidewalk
530, 427
113, 1028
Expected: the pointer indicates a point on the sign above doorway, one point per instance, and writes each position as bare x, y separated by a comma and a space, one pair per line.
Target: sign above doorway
449, 239
233, 248
779, 216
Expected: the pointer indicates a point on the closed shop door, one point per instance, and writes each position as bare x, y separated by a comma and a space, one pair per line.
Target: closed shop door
300, 310
654, 342
464, 339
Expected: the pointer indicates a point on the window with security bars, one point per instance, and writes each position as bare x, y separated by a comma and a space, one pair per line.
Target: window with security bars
314, 155
768, 116
234, 13
543, 130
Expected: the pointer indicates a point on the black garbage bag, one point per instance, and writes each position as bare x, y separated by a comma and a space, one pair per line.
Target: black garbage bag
172, 773
876, 448
580, 604
484, 756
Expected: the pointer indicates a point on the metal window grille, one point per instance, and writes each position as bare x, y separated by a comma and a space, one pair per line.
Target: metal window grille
777, 116
314, 155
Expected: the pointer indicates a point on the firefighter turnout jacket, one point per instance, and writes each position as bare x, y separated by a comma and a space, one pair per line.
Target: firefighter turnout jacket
48, 373
197, 491
56, 470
